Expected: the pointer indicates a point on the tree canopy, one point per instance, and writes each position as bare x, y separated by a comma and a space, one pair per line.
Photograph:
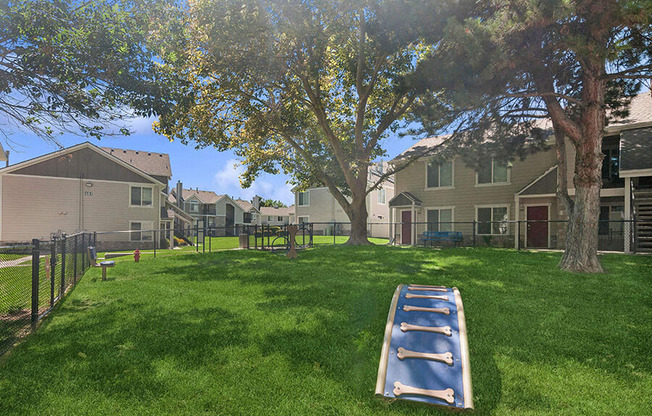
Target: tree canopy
307, 87
69, 66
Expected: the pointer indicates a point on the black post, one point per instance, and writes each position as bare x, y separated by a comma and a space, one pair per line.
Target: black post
53, 263
155, 242
203, 238
210, 241
36, 254
74, 277
269, 231
63, 264
334, 232
312, 235
518, 235
95, 239
474, 233
255, 236
197, 237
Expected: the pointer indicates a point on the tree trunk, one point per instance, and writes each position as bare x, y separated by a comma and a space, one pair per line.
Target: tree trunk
358, 215
581, 253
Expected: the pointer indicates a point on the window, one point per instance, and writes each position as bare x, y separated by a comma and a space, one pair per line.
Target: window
492, 171
303, 220
610, 168
304, 199
246, 217
269, 218
489, 220
440, 219
381, 196
439, 175
279, 218
194, 206
141, 196
137, 227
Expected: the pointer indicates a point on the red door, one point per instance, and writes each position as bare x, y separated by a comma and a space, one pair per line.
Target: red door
537, 232
406, 228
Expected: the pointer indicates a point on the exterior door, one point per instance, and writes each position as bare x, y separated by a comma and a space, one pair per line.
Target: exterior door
537, 232
406, 228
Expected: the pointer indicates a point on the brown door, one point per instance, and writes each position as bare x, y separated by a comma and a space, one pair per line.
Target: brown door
406, 228
537, 232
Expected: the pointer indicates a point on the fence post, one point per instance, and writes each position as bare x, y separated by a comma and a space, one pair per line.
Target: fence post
210, 241
95, 239
203, 238
74, 276
334, 232
53, 263
155, 242
518, 235
197, 237
63, 264
474, 222
35, 275
255, 236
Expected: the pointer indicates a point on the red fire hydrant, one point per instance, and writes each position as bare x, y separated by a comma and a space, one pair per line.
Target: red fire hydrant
136, 255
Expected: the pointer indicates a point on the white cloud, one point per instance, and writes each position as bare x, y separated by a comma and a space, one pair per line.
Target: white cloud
267, 186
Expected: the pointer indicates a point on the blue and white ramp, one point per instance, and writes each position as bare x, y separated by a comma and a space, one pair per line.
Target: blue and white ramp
425, 354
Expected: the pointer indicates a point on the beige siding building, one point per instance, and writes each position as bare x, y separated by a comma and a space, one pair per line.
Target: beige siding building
485, 201
81, 188
318, 206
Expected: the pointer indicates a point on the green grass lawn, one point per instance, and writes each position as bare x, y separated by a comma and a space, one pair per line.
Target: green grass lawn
252, 333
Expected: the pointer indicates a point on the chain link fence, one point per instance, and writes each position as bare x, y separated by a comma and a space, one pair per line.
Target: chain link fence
34, 277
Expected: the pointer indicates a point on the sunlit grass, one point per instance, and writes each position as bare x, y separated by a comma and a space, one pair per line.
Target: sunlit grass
244, 332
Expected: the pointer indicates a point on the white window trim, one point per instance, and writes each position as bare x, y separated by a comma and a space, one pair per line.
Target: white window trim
303, 216
384, 196
492, 217
441, 188
144, 225
133, 185
547, 204
191, 203
482, 185
425, 211
304, 192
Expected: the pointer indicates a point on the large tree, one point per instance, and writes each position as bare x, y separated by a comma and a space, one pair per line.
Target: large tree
75, 66
308, 87
574, 62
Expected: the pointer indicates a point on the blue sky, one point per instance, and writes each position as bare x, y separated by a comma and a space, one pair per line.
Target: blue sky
207, 168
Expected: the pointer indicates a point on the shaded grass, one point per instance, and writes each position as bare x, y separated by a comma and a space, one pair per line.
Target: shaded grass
248, 333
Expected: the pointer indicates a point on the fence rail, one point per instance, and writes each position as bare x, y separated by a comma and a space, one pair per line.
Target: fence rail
34, 277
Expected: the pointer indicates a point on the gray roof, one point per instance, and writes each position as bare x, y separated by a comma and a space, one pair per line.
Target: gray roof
543, 185
405, 199
153, 164
636, 149
422, 145
245, 205
640, 111
273, 211
205, 197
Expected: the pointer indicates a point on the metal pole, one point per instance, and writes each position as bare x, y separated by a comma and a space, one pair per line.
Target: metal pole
35, 275
197, 237
210, 241
474, 233
334, 232
63, 264
74, 277
155, 242
53, 263
518, 235
255, 236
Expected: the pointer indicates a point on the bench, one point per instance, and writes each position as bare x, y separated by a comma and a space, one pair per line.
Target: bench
431, 237
92, 254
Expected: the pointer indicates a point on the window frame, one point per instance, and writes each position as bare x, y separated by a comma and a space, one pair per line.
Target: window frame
440, 208
492, 221
144, 225
437, 188
382, 192
492, 183
303, 216
191, 203
131, 187
299, 198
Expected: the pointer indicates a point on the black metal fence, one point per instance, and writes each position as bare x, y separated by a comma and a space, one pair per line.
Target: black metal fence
34, 277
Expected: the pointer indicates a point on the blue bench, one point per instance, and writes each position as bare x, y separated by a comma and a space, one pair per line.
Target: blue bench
92, 255
432, 237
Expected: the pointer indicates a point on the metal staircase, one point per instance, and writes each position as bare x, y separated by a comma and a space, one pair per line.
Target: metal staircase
642, 204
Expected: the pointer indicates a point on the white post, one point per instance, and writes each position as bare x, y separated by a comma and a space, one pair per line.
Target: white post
628, 215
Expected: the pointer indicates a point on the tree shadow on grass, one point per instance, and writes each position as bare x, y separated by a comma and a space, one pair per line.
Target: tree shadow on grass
117, 351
